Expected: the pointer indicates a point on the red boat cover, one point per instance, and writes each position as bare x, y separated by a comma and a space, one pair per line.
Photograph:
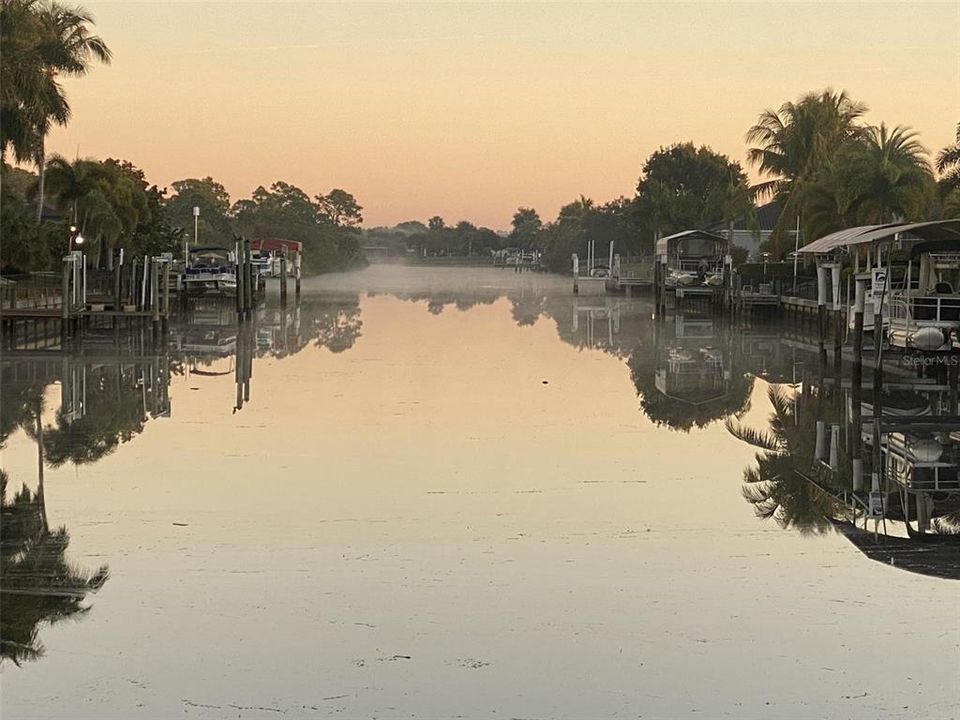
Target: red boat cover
276, 245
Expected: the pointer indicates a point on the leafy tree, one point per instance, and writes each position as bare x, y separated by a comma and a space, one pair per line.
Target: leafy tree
18, 181
436, 223
153, 233
341, 208
526, 226
286, 211
411, 227
70, 185
213, 224
683, 187
27, 245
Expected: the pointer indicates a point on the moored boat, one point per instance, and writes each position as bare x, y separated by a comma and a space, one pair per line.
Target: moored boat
210, 271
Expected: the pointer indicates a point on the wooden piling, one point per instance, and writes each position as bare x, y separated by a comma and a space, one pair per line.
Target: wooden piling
238, 267
297, 261
166, 294
249, 280
242, 278
822, 313
155, 296
283, 280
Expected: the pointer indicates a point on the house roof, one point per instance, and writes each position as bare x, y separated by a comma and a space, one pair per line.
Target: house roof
766, 216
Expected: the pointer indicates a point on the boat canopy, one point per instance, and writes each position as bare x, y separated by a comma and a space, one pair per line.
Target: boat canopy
934, 230
276, 245
937, 246
210, 250
667, 244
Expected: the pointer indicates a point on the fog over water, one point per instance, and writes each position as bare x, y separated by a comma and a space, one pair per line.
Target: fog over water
451, 493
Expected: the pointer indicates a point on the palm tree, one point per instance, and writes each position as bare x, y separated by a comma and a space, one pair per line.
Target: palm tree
66, 48
830, 203
42, 41
30, 97
70, 183
948, 163
105, 203
795, 143
891, 176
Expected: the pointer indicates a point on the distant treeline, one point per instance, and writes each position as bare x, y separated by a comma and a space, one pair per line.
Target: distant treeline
824, 168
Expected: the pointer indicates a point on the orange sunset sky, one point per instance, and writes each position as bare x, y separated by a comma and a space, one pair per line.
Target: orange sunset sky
468, 111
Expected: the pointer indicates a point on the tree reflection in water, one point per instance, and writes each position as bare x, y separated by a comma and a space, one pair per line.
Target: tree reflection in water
37, 583
113, 414
779, 485
692, 374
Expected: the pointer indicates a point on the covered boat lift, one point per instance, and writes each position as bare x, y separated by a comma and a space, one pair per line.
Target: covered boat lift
288, 251
691, 262
871, 245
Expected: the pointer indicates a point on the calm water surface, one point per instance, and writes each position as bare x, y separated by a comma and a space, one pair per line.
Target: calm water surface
451, 493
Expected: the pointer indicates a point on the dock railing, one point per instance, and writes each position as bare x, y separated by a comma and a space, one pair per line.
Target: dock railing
31, 291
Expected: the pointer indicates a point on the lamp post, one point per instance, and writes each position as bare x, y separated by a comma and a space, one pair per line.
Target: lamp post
74, 238
196, 218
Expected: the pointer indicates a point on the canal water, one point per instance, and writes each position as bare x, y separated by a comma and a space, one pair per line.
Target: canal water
456, 493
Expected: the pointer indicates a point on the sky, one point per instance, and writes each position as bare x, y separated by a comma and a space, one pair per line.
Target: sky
471, 111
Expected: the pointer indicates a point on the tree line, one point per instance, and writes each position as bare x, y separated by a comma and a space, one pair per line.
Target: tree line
819, 162
110, 202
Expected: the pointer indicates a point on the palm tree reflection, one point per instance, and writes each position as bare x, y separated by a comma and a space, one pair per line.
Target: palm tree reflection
780, 486
37, 583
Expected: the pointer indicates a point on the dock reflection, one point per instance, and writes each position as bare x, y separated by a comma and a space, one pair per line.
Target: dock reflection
878, 464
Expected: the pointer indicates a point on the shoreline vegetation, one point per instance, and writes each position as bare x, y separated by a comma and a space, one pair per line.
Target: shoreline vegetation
819, 162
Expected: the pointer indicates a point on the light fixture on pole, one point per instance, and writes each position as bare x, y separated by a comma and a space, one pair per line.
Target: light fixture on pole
196, 218
74, 238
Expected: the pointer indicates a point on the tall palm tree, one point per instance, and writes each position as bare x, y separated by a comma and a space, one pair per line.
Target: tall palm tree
67, 48
27, 92
891, 176
948, 163
69, 184
795, 143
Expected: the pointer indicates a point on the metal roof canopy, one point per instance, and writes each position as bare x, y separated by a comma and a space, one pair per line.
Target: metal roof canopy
932, 230
663, 244
276, 245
